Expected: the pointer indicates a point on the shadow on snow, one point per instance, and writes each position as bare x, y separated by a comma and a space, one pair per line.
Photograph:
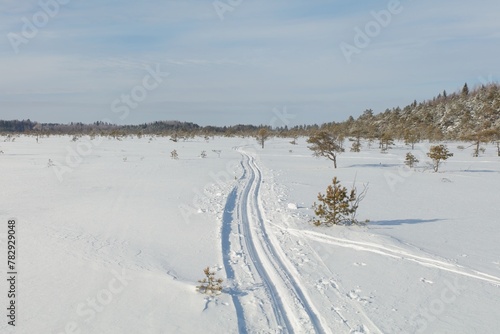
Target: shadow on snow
396, 222
227, 220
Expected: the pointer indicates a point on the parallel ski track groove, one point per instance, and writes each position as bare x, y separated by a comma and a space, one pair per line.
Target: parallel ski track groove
400, 254
277, 261
278, 309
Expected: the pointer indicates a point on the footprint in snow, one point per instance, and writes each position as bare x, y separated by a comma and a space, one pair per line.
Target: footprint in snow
359, 264
360, 330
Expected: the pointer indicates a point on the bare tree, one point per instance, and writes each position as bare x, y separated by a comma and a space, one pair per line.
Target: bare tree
324, 144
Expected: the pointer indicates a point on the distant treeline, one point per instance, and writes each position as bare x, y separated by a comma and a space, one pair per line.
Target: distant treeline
165, 128
458, 115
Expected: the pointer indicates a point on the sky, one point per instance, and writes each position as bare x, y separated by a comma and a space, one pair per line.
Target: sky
238, 61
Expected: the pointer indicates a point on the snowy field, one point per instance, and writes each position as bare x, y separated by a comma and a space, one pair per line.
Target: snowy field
114, 234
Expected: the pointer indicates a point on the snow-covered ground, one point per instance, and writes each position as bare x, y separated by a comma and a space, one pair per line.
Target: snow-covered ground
114, 234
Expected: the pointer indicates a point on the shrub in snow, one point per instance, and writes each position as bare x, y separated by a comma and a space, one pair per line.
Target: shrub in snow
338, 206
438, 154
210, 285
203, 154
410, 160
174, 155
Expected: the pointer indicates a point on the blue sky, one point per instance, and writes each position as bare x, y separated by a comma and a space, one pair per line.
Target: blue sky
241, 63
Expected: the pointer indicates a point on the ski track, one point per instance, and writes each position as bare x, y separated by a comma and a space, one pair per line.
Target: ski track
399, 254
292, 309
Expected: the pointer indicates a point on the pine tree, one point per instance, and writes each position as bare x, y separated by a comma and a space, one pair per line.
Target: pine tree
326, 145
338, 205
356, 146
410, 160
465, 90
210, 285
411, 137
262, 136
438, 154
386, 141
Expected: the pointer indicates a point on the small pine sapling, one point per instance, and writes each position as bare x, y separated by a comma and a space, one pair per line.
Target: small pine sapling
411, 160
210, 285
338, 206
174, 155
